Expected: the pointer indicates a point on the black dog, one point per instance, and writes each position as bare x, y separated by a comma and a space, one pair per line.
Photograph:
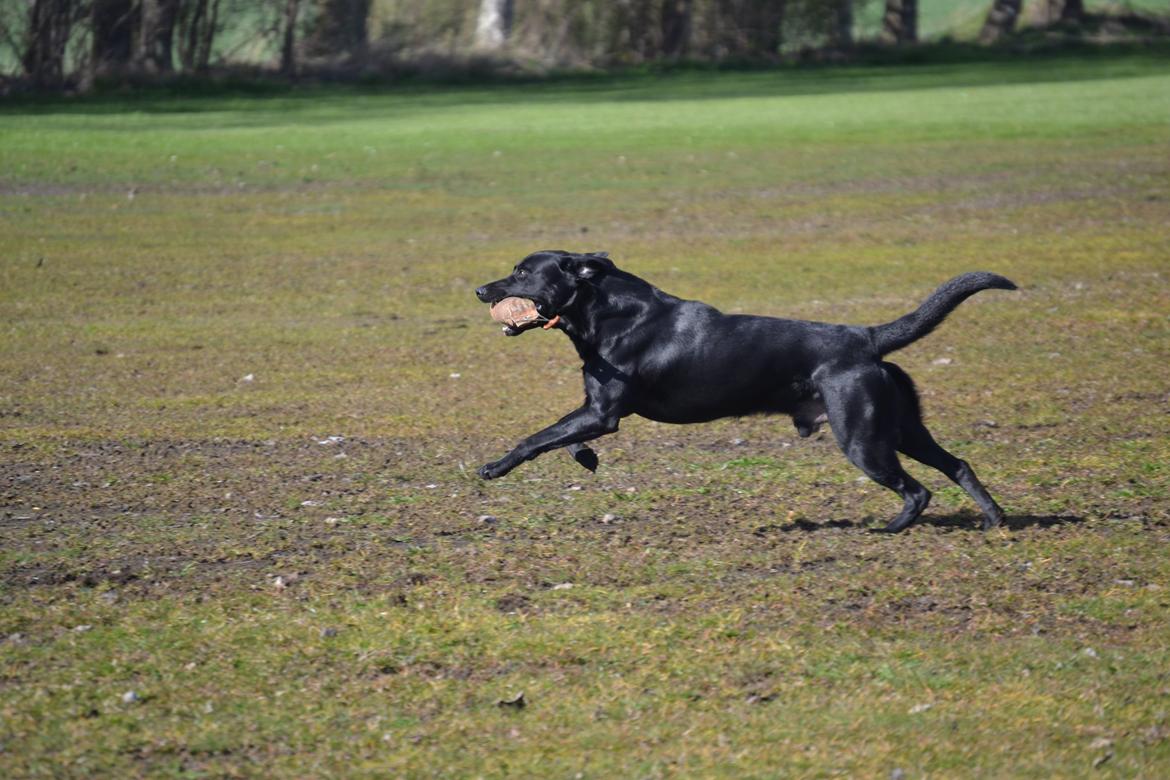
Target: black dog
649, 353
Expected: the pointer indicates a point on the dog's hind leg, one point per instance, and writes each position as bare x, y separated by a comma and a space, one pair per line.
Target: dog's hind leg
920, 445
917, 443
861, 404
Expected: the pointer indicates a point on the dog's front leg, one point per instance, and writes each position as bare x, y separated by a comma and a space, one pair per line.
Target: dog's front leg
584, 424
584, 455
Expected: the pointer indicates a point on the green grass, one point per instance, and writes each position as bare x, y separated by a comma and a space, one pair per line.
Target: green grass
282, 610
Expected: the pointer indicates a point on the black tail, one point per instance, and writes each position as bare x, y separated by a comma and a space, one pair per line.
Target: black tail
905, 330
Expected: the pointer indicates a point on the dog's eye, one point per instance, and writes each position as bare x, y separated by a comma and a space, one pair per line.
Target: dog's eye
521, 273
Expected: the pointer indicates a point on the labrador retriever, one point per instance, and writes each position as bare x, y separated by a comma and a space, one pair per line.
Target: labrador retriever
649, 353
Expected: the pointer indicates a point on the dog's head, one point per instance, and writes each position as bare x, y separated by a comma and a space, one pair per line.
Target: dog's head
551, 278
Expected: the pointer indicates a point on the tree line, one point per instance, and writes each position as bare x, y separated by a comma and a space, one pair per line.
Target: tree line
54, 43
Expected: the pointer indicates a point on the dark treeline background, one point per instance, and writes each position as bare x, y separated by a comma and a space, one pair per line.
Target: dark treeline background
51, 44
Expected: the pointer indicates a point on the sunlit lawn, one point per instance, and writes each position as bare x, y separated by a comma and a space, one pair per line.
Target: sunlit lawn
196, 292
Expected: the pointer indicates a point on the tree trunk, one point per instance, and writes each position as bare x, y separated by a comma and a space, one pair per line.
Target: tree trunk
340, 29
730, 24
207, 38
288, 49
191, 16
493, 26
1072, 11
49, 24
750, 28
900, 22
156, 31
841, 36
644, 43
676, 27
767, 18
112, 22
1001, 20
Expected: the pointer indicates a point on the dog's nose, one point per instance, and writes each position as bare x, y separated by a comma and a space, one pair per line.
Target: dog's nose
480, 292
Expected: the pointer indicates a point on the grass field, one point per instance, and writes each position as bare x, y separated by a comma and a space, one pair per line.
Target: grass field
196, 294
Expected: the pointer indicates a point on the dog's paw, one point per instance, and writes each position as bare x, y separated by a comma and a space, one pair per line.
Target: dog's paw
898, 524
586, 457
993, 520
493, 470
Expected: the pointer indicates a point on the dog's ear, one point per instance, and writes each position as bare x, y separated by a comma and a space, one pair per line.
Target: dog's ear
591, 266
